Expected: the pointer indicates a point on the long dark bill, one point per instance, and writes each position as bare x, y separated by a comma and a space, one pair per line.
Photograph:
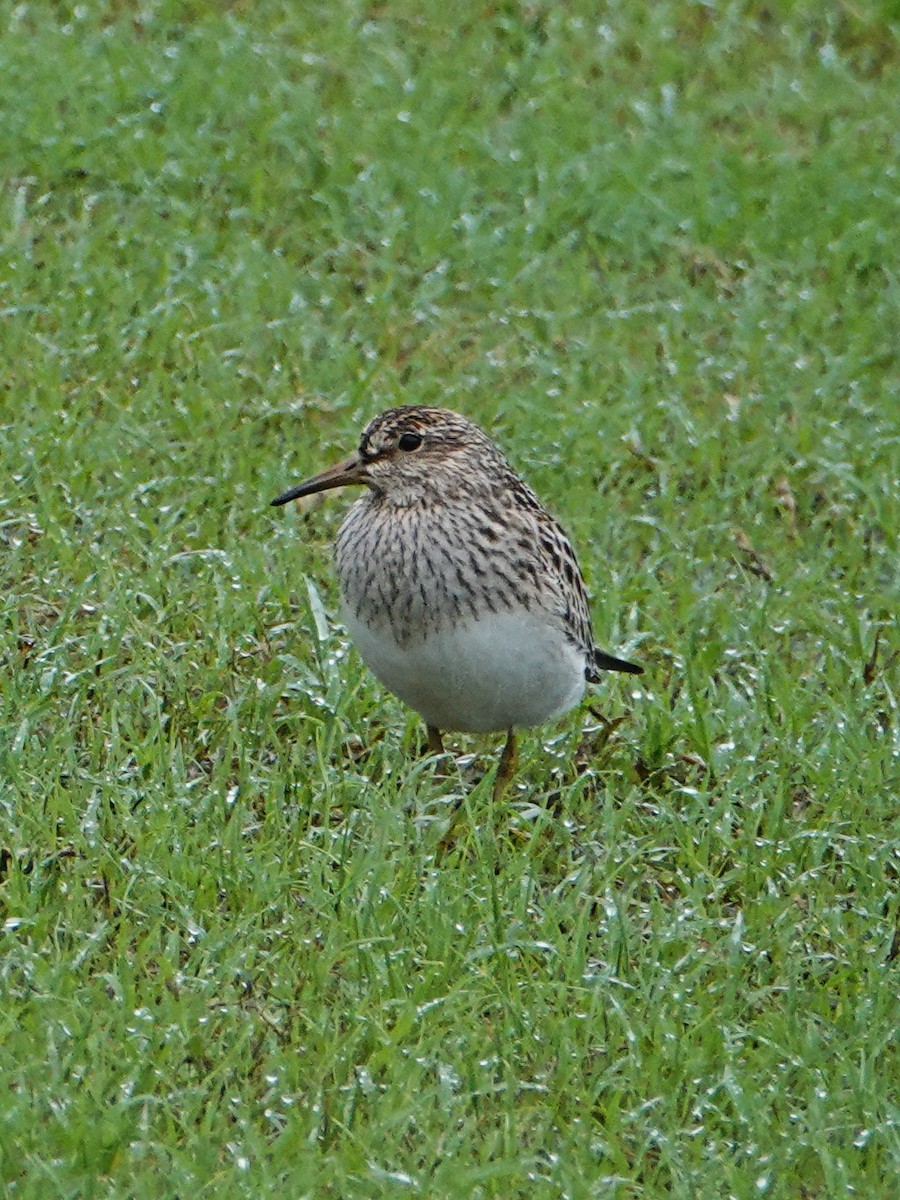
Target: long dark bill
341, 474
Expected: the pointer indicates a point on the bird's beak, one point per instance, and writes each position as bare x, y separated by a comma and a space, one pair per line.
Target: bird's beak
351, 470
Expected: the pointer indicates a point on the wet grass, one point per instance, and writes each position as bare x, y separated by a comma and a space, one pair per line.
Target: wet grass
654, 251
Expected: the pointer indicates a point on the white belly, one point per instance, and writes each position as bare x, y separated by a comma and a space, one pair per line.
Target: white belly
503, 671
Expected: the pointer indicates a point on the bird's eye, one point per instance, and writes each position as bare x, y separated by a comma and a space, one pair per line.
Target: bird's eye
409, 441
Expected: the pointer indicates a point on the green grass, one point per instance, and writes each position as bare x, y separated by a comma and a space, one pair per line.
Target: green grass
654, 250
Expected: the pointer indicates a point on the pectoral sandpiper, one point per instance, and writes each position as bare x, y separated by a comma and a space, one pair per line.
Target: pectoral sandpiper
461, 592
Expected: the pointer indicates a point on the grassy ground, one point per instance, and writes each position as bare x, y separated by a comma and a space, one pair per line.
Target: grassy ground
652, 248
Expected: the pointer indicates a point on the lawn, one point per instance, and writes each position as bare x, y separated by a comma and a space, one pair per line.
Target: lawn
653, 249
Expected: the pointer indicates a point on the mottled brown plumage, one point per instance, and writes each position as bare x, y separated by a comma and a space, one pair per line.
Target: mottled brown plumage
463, 594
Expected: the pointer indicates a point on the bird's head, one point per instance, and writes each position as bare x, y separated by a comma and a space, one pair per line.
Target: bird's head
412, 455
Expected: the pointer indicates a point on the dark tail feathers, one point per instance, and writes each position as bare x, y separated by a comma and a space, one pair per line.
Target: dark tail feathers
606, 662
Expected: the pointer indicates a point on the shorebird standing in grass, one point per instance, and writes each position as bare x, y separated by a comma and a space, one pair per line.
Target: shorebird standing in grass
461, 592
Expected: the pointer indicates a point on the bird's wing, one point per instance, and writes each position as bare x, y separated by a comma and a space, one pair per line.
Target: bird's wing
546, 555
562, 585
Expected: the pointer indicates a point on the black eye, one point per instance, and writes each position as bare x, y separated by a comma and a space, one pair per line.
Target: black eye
409, 441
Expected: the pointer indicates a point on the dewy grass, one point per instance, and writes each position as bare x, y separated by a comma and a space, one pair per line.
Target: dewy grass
652, 248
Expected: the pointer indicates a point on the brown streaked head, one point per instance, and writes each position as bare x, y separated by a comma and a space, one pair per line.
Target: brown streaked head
407, 450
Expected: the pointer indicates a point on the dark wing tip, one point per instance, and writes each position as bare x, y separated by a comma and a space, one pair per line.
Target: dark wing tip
607, 662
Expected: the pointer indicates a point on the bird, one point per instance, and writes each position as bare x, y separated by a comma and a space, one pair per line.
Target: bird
461, 592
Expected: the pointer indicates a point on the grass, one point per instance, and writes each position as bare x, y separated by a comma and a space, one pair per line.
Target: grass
653, 249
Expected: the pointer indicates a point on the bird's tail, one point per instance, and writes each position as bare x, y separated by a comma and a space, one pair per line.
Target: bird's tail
607, 662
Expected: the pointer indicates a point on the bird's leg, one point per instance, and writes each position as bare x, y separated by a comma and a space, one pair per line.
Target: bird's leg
435, 745
434, 740
506, 768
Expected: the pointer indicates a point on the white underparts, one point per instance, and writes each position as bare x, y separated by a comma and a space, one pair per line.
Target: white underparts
499, 671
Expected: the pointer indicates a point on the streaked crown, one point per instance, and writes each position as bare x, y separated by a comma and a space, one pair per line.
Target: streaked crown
429, 449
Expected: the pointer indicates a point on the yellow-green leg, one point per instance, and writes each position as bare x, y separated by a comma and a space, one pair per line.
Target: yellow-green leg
506, 768
434, 739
